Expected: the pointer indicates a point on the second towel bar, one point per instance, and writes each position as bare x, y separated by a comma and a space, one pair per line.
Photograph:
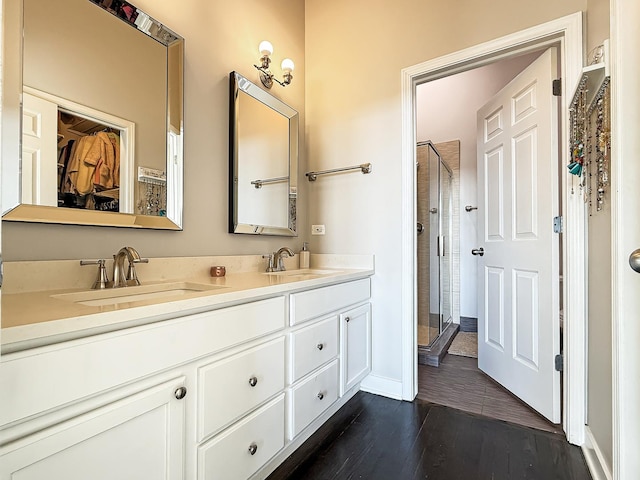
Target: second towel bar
365, 168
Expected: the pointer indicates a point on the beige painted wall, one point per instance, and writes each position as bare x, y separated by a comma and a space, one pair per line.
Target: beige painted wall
599, 381
353, 111
220, 37
598, 19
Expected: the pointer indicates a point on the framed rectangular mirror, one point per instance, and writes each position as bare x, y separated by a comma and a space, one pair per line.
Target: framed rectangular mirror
263, 161
98, 85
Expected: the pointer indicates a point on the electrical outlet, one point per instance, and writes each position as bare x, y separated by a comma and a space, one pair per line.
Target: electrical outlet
317, 229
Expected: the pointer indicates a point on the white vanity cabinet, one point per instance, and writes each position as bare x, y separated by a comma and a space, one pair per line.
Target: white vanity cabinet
121, 404
319, 351
228, 393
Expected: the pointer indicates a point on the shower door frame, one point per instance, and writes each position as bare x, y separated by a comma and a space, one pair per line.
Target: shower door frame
441, 251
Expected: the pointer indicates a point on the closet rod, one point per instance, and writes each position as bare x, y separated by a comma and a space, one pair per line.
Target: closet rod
365, 168
259, 183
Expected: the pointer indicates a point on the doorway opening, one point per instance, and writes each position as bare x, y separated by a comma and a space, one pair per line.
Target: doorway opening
447, 210
567, 33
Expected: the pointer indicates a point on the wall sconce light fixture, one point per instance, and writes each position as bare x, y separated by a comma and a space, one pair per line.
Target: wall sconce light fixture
266, 77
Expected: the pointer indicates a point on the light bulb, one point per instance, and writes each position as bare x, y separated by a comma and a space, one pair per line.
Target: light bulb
287, 65
265, 48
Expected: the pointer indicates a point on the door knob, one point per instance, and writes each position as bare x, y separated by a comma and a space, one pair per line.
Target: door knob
420, 228
478, 251
634, 260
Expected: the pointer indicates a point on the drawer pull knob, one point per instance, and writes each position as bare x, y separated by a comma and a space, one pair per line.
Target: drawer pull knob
348, 319
253, 381
253, 448
321, 395
320, 346
180, 393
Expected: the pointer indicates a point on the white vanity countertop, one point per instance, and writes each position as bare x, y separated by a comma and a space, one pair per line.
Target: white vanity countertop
32, 319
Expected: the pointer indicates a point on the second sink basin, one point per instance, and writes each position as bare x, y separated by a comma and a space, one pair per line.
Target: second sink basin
113, 296
304, 274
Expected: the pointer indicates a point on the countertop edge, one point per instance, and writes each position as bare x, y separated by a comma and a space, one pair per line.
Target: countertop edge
26, 337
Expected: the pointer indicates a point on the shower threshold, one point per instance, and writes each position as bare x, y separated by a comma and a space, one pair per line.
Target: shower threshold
433, 354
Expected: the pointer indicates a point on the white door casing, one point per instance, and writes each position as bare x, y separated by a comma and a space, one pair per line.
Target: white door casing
518, 301
43, 104
625, 235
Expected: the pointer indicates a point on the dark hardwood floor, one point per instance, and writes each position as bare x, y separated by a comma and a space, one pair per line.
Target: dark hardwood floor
459, 383
377, 438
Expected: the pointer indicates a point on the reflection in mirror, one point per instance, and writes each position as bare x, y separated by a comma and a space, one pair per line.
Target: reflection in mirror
102, 112
263, 161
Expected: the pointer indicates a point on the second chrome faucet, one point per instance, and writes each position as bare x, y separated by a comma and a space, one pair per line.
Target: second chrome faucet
276, 259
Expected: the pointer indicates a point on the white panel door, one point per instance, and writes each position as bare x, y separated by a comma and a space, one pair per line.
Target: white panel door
518, 311
39, 151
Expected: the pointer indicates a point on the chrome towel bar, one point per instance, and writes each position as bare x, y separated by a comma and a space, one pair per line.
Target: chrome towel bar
364, 168
259, 183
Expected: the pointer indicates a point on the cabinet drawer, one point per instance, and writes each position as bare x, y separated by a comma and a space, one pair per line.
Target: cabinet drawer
231, 387
314, 303
312, 346
228, 456
58, 373
313, 396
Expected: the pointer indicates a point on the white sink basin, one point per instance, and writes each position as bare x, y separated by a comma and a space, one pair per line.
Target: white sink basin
113, 296
304, 274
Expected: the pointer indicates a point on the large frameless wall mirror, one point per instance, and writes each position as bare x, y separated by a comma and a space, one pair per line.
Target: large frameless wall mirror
263, 157
101, 138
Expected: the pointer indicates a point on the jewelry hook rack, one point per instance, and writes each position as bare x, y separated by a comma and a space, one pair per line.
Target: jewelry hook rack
364, 168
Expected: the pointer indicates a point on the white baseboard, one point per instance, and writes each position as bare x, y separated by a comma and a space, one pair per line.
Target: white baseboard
387, 387
598, 465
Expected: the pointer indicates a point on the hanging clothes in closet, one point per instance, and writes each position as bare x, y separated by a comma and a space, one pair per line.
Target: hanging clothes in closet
94, 164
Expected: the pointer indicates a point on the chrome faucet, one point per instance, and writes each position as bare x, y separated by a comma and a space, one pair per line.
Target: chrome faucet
131, 278
278, 259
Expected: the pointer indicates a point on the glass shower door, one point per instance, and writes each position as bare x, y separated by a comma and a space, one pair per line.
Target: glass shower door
433, 244
446, 236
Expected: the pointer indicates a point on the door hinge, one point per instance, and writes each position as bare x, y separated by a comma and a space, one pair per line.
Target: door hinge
559, 361
557, 224
557, 87
1, 270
